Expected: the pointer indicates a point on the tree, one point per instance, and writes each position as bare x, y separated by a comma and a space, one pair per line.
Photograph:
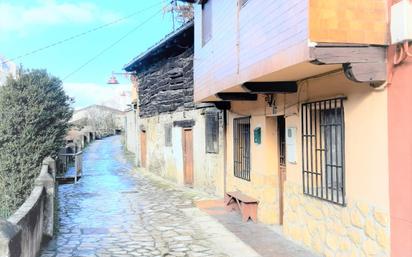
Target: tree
182, 12
34, 115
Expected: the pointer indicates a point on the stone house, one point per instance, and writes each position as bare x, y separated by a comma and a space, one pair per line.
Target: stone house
307, 124
176, 138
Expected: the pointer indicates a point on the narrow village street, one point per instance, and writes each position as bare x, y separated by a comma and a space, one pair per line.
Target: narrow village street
114, 211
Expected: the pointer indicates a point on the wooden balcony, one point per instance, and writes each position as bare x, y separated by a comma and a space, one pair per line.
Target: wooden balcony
276, 41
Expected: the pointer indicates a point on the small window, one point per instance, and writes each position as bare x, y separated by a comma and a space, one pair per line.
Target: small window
323, 162
168, 135
241, 147
212, 132
206, 22
242, 3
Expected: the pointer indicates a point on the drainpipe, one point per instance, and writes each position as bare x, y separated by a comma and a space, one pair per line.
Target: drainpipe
224, 150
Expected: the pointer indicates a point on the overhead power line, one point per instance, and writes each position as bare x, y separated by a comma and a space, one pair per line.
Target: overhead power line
111, 46
80, 34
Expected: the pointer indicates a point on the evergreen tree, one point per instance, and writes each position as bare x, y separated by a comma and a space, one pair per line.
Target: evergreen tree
34, 115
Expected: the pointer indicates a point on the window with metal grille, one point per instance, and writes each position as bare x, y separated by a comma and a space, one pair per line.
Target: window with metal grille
212, 132
206, 22
242, 3
241, 147
323, 150
168, 135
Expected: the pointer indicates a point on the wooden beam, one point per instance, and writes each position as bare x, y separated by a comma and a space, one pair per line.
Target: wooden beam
373, 73
271, 87
347, 54
363, 64
184, 123
221, 105
237, 96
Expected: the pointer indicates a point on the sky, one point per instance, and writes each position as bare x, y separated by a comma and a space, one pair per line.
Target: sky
27, 25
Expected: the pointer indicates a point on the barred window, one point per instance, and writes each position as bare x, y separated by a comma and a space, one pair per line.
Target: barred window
212, 132
323, 160
241, 147
242, 3
168, 135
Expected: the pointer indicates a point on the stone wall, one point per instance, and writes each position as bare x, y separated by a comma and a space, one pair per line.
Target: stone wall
130, 131
167, 85
21, 234
358, 229
167, 161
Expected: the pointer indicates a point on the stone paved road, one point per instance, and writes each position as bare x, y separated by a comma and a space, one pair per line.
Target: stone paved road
114, 211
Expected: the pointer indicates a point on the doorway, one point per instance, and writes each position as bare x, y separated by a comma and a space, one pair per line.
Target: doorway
188, 157
143, 149
282, 163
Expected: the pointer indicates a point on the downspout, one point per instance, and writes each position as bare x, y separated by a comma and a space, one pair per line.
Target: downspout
224, 150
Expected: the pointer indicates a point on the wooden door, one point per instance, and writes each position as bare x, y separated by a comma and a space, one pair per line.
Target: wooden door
282, 164
188, 156
143, 149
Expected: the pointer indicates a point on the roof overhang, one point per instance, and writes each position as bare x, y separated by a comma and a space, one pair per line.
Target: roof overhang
173, 44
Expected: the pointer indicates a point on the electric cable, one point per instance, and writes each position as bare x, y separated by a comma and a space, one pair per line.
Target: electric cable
80, 34
110, 46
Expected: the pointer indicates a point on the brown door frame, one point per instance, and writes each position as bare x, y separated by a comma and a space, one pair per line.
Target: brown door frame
281, 129
188, 176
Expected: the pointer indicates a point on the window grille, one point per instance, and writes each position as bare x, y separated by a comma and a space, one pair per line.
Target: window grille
323, 150
241, 149
206, 22
168, 135
242, 3
212, 132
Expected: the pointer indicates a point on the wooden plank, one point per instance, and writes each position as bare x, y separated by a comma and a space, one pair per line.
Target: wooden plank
237, 96
271, 87
143, 149
242, 197
347, 54
188, 156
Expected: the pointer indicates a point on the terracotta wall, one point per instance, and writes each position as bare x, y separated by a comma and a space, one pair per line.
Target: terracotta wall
400, 157
348, 21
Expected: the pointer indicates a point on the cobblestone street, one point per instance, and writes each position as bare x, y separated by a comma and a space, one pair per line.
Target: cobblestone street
115, 211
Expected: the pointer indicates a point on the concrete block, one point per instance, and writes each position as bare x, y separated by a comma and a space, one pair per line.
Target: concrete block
10, 239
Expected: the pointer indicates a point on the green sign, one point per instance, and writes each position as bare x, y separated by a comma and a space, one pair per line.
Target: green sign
257, 134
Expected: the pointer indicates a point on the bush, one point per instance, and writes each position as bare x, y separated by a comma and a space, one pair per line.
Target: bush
34, 115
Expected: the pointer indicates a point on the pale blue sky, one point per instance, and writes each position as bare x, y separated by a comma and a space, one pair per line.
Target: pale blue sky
26, 25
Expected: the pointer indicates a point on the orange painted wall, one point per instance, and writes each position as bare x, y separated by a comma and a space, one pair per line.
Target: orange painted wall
348, 21
400, 158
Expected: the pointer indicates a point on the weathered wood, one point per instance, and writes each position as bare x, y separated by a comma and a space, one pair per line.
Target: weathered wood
221, 105
237, 96
188, 156
184, 123
347, 54
271, 87
374, 73
242, 197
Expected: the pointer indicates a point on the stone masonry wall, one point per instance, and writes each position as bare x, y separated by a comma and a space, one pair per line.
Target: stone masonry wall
167, 85
167, 161
357, 230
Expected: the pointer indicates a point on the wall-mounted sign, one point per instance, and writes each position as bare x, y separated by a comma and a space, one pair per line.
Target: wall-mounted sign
291, 144
257, 135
